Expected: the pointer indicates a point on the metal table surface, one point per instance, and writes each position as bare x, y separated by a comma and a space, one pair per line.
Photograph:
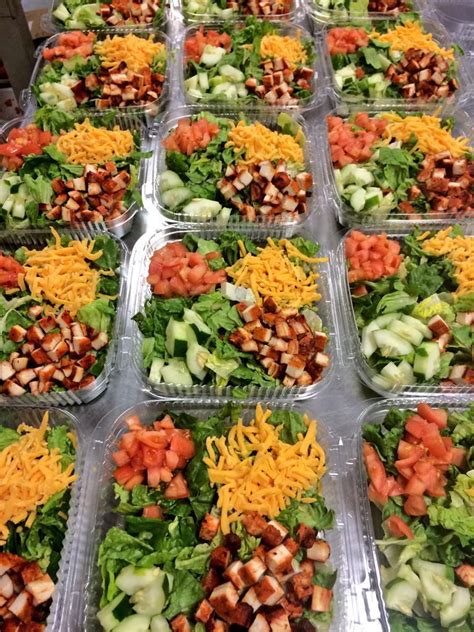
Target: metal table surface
339, 404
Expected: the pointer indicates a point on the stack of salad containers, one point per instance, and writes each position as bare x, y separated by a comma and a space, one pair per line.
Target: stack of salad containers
245, 327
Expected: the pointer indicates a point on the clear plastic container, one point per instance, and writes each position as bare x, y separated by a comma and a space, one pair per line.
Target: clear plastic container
39, 239
318, 87
440, 36
59, 26
348, 217
458, 17
368, 516
193, 18
121, 225
151, 190
97, 503
12, 416
140, 291
321, 15
352, 346
149, 110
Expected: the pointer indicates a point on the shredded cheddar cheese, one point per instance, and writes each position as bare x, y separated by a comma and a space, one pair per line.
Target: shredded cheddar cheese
30, 473
273, 273
257, 471
136, 52
260, 143
88, 144
431, 138
460, 251
289, 48
62, 274
411, 35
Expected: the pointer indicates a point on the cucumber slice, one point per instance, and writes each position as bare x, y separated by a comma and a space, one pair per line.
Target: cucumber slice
216, 81
202, 208
106, 616
406, 332
223, 216
401, 596
175, 197
212, 55
179, 336
347, 173
228, 89
150, 600
417, 324
155, 370
368, 344
203, 80
427, 360
391, 345
405, 572
457, 610
401, 375
362, 176
372, 200
131, 578
19, 210
201, 330
196, 358
231, 73
4, 191
242, 91
435, 585
192, 83
134, 623
170, 180
176, 372
357, 200
385, 320
159, 624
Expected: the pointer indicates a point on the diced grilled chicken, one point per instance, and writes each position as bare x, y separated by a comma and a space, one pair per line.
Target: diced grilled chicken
209, 527
254, 523
6, 370
252, 571
260, 624
232, 572
268, 591
204, 611
319, 552
279, 560
6, 586
279, 621
223, 599
251, 599
274, 533
180, 624
220, 558
22, 606
321, 599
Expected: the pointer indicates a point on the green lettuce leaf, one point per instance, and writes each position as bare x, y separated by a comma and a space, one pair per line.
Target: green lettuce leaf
98, 314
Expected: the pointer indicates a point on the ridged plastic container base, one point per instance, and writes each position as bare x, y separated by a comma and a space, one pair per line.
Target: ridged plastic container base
97, 504
140, 291
353, 346
39, 239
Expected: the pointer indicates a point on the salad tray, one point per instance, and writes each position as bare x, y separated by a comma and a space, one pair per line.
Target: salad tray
456, 121
197, 11
371, 516
285, 222
11, 417
152, 15
140, 294
97, 502
38, 239
379, 382
335, 11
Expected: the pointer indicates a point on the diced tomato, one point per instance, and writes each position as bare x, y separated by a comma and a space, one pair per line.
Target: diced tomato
166, 474
434, 443
394, 487
171, 459
399, 528
183, 446
124, 474
410, 454
375, 468
416, 426
415, 486
137, 479
438, 416
121, 458
23, 141
379, 498
153, 457
153, 438
133, 422
137, 462
458, 456
367, 258
129, 442
177, 488
406, 472
153, 476
165, 423
415, 506
153, 511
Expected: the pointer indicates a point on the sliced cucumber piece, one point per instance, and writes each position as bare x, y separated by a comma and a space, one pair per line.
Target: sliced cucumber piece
151, 599
357, 200
170, 180
202, 208
155, 370
172, 198
427, 360
227, 89
159, 624
457, 610
401, 375
368, 344
406, 332
437, 585
401, 596
203, 80
417, 324
192, 83
212, 55
201, 330
362, 176
134, 623
132, 578
176, 372
231, 73
196, 358
405, 572
385, 320
179, 335
106, 616
391, 345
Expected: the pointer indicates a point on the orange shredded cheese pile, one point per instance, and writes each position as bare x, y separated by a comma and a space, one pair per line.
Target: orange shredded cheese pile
431, 138
257, 471
136, 52
62, 274
460, 251
273, 273
279, 46
260, 143
88, 144
411, 35
30, 473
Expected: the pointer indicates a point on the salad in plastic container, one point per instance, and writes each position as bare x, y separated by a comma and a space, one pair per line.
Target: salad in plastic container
58, 305
253, 169
420, 481
40, 464
190, 542
407, 62
219, 10
410, 308
84, 14
116, 69
401, 166
256, 63
324, 11
67, 170
222, 313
